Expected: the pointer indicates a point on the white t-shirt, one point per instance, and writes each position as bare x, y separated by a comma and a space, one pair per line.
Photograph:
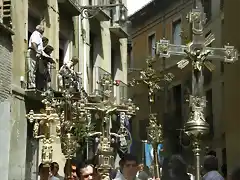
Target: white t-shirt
191, 176
36, 38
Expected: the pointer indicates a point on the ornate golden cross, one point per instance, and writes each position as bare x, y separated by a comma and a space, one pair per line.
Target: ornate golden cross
42, 129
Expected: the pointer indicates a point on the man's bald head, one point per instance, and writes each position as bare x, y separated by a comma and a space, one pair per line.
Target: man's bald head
40, 28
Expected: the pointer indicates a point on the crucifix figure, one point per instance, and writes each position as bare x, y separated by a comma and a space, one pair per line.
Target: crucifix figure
105, 109
152, 79
197, 52
199, 55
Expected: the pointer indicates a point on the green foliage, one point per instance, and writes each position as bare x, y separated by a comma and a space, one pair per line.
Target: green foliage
82, 130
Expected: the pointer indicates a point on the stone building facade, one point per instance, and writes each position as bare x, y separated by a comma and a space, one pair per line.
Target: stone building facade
167, 19
99, 42
231, 85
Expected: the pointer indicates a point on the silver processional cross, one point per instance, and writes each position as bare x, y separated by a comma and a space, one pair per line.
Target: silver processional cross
197, 51
200, 55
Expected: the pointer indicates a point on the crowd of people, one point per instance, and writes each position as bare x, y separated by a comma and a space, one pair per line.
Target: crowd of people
130, 169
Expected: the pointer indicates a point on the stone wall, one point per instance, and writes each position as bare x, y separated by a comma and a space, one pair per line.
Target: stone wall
5, 100
5, 65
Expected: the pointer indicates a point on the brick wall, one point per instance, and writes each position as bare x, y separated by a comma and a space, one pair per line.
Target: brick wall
5, 65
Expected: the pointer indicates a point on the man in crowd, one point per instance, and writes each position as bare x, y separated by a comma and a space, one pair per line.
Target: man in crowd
128, 168
210, 166
43, 172
86, 171
54, 168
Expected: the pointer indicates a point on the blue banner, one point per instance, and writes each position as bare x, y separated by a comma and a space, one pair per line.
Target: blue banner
149, 154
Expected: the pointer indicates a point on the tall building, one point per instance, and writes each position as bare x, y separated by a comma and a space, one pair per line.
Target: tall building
100, 43
167, 19
231, 85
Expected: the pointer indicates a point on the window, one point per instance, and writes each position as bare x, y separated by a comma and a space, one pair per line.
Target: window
1, 10
221, 5
151, 45
91, 63
63, 50
176, 32
177, 94
223, 94
222, 67
130, 56
29, 34
113, 57
142, 129
208, 9
5, 12
222, 29
61, 57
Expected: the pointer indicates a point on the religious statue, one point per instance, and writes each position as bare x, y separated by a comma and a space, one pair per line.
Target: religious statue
68, 78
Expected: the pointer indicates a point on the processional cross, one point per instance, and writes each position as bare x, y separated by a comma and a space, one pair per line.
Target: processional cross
199, 55
105, 109
152, 79
42, 129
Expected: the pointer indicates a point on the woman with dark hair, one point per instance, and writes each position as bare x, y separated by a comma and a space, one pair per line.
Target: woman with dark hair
177, 168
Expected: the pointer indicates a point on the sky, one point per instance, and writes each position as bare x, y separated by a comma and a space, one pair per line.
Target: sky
134, 5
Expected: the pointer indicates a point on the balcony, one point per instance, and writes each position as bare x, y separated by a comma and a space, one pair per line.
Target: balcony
100, 14
5, 15
121, 92
70, 6
37, 82
117, 29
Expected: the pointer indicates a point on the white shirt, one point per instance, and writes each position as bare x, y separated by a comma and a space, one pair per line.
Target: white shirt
119, 176
36, 38
191, 176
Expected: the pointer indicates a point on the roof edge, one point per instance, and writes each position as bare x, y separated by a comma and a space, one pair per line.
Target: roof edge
144, 7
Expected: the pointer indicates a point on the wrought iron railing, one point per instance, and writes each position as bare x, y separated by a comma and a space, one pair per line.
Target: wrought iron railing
1, 11
30, 57
121, 92
5, 12
221, 5
116, 16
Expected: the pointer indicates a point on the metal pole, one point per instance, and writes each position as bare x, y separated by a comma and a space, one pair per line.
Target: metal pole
143, 152
87, 149
197, 151
156, 163
68, 170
